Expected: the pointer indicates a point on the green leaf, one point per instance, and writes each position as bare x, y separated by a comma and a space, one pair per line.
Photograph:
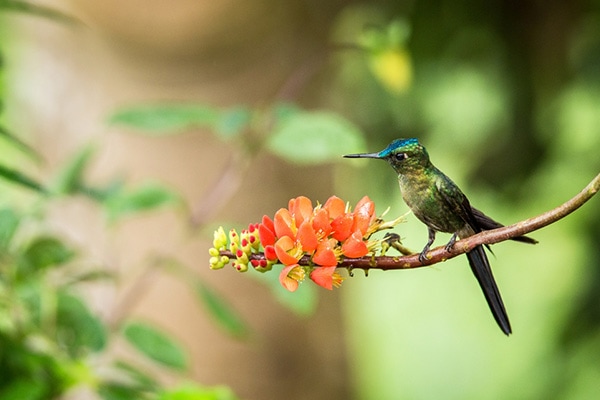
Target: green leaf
398, 32
130, 383
165, 119
24, 389
18, 178
102, 193
189, 391
145, 198
315, 137
70, 179
223, 314
77, 327
141, 380
90, 276
24, 147
45, 251
155, 345
232, 121
283, 111
118, 391
9, 222
28, 8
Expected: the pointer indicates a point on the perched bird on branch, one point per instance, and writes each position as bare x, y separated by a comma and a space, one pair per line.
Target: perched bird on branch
438, 202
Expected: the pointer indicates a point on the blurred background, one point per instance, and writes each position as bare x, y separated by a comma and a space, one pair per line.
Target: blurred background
236, 107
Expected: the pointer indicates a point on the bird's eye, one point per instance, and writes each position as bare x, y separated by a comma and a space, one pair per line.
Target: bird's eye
400, 156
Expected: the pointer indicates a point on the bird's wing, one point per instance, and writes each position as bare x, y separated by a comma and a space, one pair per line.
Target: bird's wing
484, 221
457, 202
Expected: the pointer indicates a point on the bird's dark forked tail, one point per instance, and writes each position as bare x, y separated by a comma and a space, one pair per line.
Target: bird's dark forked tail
483, 272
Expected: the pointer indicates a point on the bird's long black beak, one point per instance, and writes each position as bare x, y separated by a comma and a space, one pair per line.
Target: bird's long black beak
363, 155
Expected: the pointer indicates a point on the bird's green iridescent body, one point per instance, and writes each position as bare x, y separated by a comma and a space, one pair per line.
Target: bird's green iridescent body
438, 202
425, 194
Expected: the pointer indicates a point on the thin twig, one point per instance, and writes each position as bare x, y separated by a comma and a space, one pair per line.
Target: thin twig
440, 254
132, 296
224, 188
232, 175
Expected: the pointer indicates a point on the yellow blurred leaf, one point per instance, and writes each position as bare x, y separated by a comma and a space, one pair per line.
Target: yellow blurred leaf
393, 69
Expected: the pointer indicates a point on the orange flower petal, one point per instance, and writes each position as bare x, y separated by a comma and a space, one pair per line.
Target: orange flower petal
365, 202
324, 255
321, 223
284, 224
326, 277
290, 276
355, 246
342, 226
301, 209
307, 237
363, 214
335, 206
286, 251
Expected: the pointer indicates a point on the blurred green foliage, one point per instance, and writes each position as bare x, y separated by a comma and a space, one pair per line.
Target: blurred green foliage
505, 96
50, 338
295, 135
155, 345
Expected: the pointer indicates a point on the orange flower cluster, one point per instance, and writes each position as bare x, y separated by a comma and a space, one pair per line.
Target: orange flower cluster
324, 233
307, 240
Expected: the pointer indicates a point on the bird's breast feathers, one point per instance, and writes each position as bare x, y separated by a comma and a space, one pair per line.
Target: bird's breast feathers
426, 198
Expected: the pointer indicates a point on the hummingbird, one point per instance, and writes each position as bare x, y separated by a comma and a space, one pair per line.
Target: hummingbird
439, 203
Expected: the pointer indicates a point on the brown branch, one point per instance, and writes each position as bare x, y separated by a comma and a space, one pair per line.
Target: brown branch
440, 254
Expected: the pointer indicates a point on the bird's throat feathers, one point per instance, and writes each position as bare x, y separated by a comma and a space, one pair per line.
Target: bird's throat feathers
416, 177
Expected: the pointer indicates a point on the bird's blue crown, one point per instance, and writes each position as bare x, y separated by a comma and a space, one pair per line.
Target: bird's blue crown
397, 144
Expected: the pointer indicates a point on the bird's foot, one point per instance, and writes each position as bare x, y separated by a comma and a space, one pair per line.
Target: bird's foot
423, 256
450, 243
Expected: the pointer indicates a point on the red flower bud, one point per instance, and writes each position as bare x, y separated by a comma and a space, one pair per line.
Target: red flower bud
270, 253
266, 232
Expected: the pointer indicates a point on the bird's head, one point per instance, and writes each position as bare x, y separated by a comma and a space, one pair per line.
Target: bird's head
404, 155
